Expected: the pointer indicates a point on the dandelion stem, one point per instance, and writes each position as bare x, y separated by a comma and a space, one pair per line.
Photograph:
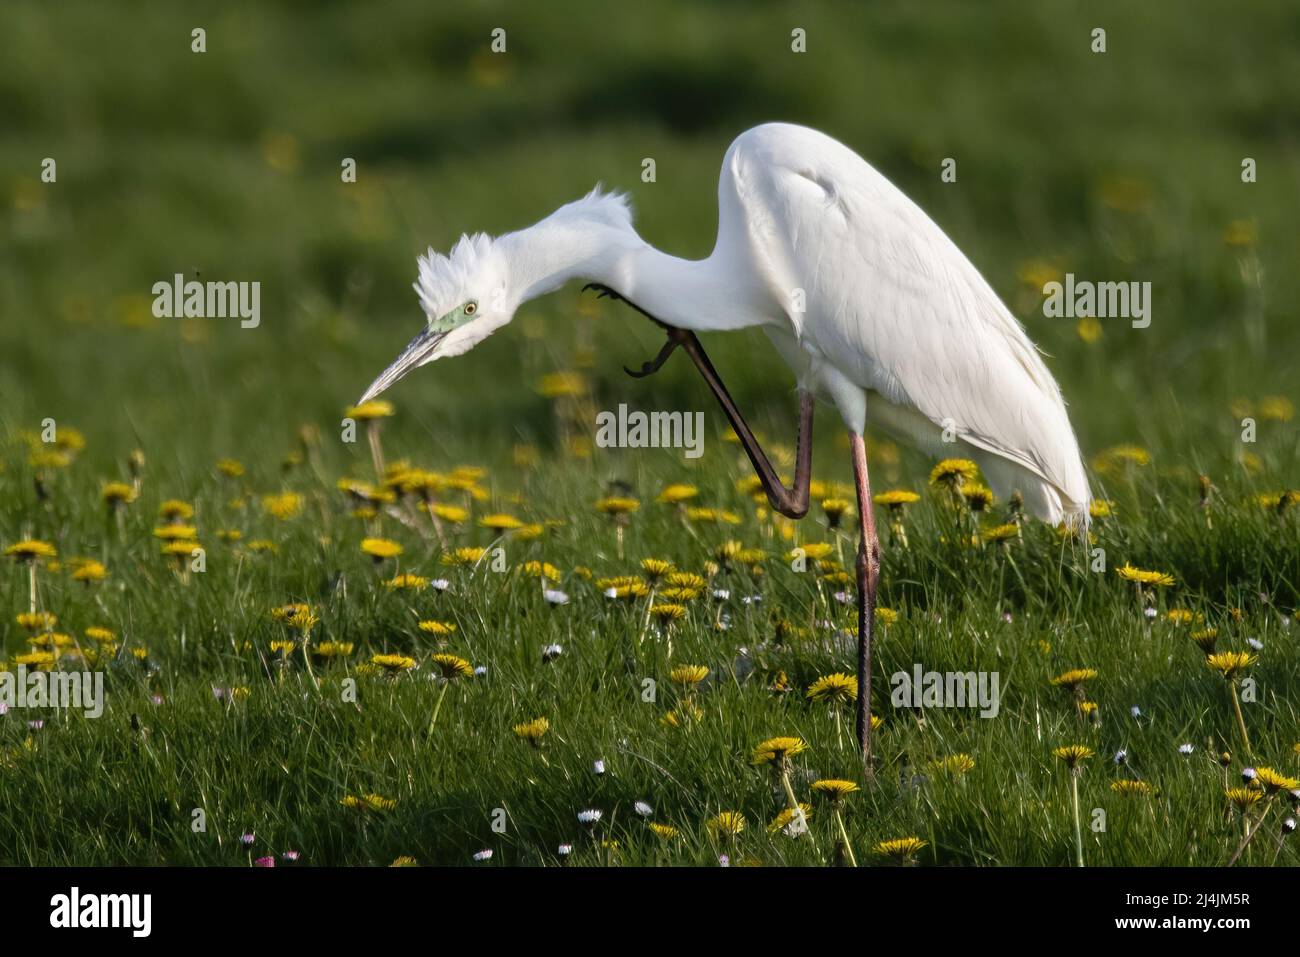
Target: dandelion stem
844, 837
1078, 831
795, 809
376, 451
438, 707
1251, 831
31, 578
1241, 722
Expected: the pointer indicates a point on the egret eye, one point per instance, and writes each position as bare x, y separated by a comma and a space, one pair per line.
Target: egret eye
471, 307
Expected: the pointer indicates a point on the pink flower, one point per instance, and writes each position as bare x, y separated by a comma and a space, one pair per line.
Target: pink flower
264, 862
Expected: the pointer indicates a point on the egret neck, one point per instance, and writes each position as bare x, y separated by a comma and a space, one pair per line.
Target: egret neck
700, 295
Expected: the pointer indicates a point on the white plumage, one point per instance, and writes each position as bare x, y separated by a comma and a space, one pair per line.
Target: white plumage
869, 302
894, 309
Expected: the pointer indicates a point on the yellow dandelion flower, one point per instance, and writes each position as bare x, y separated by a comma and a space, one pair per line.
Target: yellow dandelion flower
1130, 787
677, 493
616, 505
452, 666
726, 824
953, 473
438, 627
1089, 330
542, 570
900, 848
978, 497
288, 612
1243, 799
38, 659
31, 550
712, 515
955, 764
380, 548
89, 571
99, 634
789, 816
469, 555
687, 713
561, 385
174, 510
37, 621
452, 514
393, 664
532, 731
663, 831
117, 493
668, 612
688, 675
688, 580
1276, 408
1072, 754
1074, 678
332, 649
835, 789
176, 533
369, 411
834, 688
368, 802
1230, 663
1119, 457
778, 749
835, 509
284, 506
1143, 577
1273, 781
1100, 508
500, 522
656, 568
1000, 534
51, 639
408, 582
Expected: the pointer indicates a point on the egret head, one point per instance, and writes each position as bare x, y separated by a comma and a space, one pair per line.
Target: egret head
465, 296
472, 292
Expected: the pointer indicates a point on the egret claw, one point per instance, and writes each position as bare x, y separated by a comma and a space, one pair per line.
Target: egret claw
655, 364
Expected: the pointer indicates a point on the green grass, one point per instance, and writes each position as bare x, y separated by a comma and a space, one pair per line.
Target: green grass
1120, 166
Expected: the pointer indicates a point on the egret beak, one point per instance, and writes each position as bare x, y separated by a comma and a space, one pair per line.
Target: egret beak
420, 349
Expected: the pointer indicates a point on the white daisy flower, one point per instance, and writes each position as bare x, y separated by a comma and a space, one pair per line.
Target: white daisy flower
590, 816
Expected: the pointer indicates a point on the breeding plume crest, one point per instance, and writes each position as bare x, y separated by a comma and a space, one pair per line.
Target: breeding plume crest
472, 270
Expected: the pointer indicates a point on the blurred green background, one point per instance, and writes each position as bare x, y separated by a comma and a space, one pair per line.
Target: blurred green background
1115, 166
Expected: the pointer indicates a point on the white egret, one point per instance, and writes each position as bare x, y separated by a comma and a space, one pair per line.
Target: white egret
867, 300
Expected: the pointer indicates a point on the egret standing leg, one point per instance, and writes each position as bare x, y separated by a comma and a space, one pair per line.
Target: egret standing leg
868, 575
